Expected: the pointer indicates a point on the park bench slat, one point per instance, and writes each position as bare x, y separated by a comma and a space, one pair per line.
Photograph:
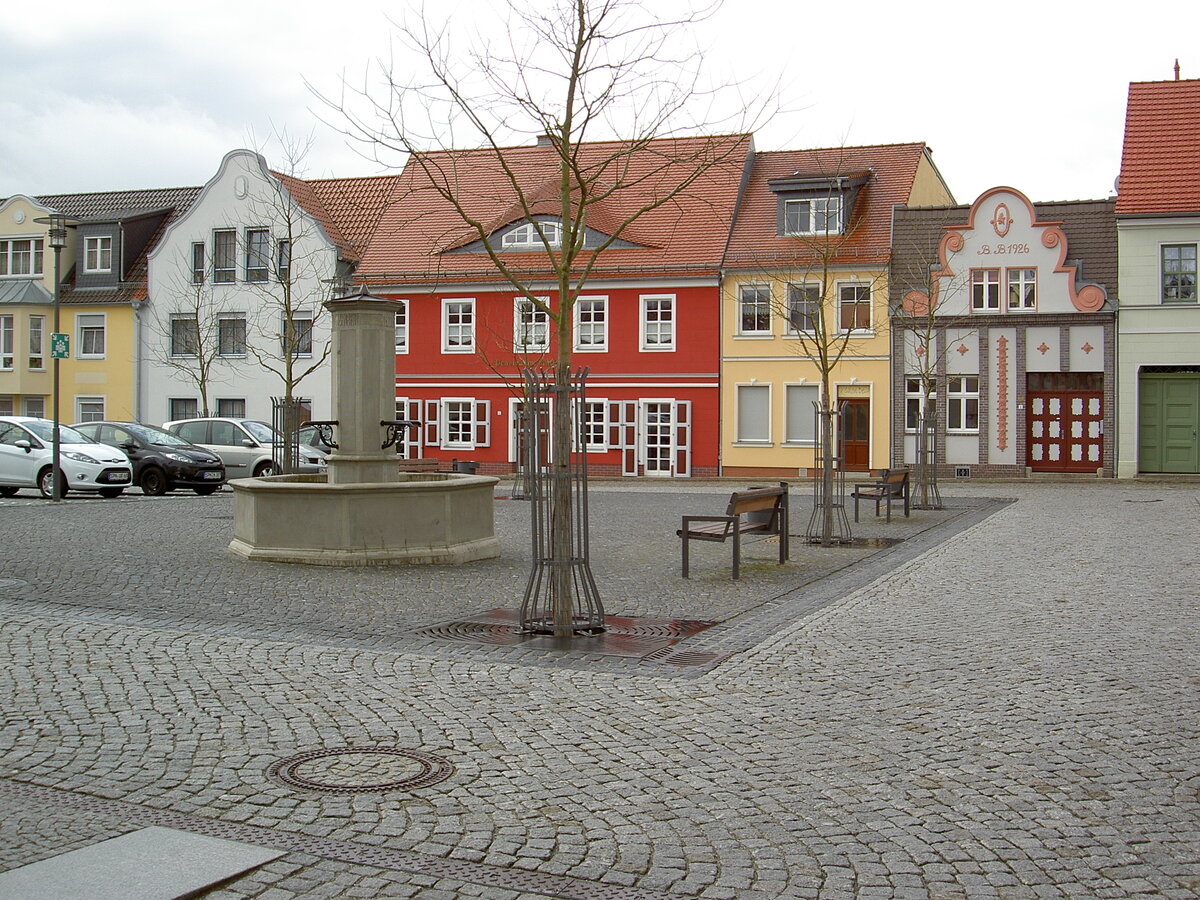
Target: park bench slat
733, 524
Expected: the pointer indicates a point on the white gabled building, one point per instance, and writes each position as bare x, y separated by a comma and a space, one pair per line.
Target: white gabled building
236, 287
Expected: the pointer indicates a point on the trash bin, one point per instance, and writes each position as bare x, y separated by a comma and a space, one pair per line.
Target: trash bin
464, 467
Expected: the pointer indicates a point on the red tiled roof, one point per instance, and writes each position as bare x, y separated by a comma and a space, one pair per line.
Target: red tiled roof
1160, 162
419, 236
755, 242
347, 208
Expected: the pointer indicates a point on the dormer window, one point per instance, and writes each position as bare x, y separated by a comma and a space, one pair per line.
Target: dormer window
526, 237
97, 254
817, 215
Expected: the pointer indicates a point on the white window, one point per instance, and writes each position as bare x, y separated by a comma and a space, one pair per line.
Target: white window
21, 257
182, 408
962, 404
985, 289
231, 407
916, 391
198, 262
458, 423
753, 414
595, 425
819, 215
854, 307
402, 327
525, 237
231, 335
225, 256
803, 308
800, 413
97, 254
89, 409
283, 259
34, 406
658, 322
1022, 288
531, 326
458, 326
754, 309
297, 337
90, 330
7, 343
258, 254
37, 342
591, 323
185, 335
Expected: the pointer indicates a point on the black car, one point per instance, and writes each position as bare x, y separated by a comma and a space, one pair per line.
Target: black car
161, 461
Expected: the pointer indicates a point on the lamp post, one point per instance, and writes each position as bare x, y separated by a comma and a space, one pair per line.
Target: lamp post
57, 236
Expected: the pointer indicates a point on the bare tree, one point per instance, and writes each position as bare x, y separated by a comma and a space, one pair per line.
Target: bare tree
570, 72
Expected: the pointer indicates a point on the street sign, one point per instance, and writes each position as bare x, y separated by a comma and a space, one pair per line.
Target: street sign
59, 345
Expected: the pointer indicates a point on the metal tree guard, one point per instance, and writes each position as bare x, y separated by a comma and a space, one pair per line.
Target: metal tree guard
925, 493
544, 485
829, 500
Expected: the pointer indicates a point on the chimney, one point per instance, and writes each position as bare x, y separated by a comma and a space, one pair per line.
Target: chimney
547, 140
1177, 68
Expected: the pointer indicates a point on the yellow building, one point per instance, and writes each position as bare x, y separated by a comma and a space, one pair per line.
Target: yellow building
805, 304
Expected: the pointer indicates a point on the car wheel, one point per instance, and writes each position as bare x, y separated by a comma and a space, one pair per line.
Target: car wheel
266, 468
7, 490
205, 491
109, 493
45, 483
153, 482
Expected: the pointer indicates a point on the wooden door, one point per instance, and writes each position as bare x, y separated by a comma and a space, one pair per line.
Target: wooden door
856, 435
1168, 423
1065, 423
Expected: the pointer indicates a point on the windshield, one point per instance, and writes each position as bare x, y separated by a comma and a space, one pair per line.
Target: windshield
44, 429
261, 432
152, 435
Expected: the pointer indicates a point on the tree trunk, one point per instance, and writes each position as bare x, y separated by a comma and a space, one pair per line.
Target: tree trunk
561, 595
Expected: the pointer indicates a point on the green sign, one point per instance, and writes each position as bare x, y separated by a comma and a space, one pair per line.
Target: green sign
59, 345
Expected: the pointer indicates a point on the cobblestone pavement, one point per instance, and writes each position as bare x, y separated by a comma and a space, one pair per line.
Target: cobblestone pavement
1004, 705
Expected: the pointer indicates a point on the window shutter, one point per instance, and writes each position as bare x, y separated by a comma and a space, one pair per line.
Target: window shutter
431, 422
483, 423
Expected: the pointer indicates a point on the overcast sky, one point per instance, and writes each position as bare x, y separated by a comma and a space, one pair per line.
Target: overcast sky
133, 94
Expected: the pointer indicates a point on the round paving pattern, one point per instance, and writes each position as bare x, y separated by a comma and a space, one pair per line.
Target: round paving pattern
347, 770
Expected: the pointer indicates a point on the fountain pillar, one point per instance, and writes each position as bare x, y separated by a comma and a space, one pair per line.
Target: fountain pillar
363, 360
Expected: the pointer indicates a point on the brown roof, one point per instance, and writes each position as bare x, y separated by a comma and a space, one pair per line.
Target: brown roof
421, 236
755, 242
1090, 227
1160, 162
347, 208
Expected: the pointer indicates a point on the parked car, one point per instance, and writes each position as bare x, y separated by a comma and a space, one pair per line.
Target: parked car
27, 455
245, 446
319, 436
162, 461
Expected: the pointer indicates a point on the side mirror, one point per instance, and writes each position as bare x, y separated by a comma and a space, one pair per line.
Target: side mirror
128, 446
24, 445
246, 442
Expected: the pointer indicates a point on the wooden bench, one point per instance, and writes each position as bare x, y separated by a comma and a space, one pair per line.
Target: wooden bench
891, 486
759, 510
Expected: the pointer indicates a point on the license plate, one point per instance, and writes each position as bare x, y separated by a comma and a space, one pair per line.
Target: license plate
118, 476
210, 476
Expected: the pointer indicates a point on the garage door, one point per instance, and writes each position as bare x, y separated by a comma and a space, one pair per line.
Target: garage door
1168, 420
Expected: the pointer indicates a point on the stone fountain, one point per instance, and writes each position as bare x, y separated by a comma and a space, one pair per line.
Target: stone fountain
366, 511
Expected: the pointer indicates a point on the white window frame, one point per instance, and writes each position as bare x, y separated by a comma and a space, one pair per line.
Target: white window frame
959, 397
34, 406
97, 254
526, 237
593, 326
184, 317
979, 278
224, 274
477, 424
537, 327
8, 256
738, 438
645, 326
762, 298
402, 326
8, 343
469, 326
592, 423
869, 302
1020, 284
37, 344
80, 353
90, 401
814, 318
299, 315
913, 395
1180, 272
233, 317
808, 416
823, 208
257, 260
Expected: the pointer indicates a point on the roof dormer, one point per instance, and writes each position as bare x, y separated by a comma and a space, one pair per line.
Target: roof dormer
813, 203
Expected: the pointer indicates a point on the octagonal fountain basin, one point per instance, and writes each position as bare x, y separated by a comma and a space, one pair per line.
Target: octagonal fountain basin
421, 519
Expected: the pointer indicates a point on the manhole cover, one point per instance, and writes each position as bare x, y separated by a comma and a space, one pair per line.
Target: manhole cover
12, 583
348, 770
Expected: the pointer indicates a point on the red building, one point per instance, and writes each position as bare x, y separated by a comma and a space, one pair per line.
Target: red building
646, 322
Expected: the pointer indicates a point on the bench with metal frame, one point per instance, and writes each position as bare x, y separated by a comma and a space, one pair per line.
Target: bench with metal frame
755, 511
892, 485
